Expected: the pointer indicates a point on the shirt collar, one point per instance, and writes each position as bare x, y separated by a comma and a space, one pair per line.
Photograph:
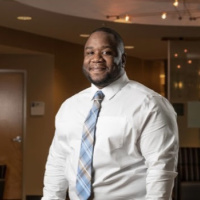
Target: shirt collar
112, 89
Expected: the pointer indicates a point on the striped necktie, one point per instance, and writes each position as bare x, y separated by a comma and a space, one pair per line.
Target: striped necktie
84, 174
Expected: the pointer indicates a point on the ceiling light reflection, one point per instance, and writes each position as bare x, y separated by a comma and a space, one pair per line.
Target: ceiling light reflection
175, 55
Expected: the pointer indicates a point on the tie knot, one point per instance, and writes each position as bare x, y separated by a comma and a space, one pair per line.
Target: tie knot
99, 95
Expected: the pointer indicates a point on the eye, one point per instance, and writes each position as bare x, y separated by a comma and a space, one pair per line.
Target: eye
89, 53
107, 52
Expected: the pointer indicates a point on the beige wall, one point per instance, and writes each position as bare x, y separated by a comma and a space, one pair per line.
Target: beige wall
147, 72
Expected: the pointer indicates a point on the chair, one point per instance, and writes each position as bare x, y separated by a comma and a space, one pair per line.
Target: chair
2, 179
187, 184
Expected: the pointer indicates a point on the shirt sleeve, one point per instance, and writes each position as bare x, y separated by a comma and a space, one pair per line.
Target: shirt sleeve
159, 146
55, 183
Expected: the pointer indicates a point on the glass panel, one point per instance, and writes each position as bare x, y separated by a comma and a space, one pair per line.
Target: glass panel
185, 71
184, 85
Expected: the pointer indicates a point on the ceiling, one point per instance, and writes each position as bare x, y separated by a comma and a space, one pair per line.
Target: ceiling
67, 19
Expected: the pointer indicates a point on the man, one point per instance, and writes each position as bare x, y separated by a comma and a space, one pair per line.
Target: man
134, 145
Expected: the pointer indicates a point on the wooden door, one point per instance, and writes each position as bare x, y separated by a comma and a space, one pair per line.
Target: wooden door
11, 130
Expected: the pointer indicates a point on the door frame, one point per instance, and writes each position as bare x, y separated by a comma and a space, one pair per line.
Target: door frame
24, 115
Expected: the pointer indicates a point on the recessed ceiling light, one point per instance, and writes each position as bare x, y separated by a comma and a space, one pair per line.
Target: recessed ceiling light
24, 18
129, 47
84, 35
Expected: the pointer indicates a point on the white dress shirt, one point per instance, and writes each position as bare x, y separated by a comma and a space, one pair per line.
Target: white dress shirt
136, 145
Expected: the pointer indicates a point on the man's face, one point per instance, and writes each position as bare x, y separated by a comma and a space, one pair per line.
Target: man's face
103, 59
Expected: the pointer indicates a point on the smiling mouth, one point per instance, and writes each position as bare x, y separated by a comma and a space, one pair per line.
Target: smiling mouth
97, 69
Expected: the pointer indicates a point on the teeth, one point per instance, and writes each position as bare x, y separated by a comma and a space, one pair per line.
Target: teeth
100, 68
97, 68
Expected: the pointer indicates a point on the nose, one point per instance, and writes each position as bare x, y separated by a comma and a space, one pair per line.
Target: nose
97, 57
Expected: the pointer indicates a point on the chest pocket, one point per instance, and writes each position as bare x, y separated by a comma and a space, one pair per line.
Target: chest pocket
110, 133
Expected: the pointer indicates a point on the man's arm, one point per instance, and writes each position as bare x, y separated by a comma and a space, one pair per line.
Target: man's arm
159, 146
55, 183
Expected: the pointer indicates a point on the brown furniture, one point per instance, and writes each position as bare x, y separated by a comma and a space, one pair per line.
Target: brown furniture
2, 179
187, 183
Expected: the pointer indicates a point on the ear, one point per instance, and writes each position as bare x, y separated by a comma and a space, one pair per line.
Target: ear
123, 60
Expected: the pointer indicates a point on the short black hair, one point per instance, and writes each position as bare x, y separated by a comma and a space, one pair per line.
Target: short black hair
116, 35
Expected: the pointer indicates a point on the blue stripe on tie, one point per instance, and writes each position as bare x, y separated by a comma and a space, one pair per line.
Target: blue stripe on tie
83, 182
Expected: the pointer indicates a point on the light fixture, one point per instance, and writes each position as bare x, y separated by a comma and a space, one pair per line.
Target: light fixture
178, 66
164, 15
24, 18
120, 19
84, 35
127, 18
189, 61
129, 47
175, 3
185, 9
185, 50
